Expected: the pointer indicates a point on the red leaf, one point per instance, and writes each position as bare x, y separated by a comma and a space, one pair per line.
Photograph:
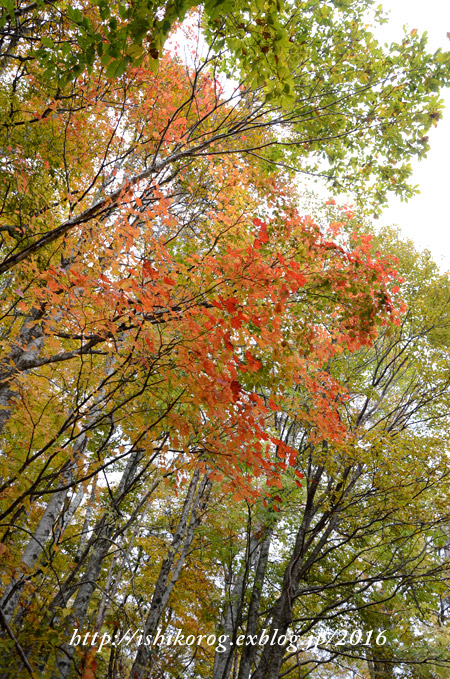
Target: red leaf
272, 404
263, 235
236, 389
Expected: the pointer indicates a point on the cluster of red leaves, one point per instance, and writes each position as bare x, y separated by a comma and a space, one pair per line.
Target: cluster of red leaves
213, 325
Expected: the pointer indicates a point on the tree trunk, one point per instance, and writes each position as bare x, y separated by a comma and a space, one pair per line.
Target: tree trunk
27, 349
107, 528
35, 547
248, 652
232, 616
194, 504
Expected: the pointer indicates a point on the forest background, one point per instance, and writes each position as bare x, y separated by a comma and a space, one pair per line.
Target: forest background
224, 401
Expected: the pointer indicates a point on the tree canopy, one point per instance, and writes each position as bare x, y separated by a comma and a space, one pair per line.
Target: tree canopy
222, 411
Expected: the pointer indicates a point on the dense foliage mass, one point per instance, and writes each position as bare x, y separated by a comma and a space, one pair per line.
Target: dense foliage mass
221, 412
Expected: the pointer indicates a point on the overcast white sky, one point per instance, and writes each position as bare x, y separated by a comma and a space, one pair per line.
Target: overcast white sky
426, 217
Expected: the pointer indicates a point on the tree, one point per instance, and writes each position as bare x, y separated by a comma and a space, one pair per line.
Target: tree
361, 546
168, 315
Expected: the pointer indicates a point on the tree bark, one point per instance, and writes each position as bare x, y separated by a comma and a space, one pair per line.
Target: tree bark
194, 504
87, 587
23, 353
248, 652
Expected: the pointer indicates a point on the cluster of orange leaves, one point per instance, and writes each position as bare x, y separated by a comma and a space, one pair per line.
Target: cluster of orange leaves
217, 323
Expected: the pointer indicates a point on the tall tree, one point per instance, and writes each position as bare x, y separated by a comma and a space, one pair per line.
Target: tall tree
164, 297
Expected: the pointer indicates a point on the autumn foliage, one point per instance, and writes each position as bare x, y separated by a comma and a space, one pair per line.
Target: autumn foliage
188, 356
